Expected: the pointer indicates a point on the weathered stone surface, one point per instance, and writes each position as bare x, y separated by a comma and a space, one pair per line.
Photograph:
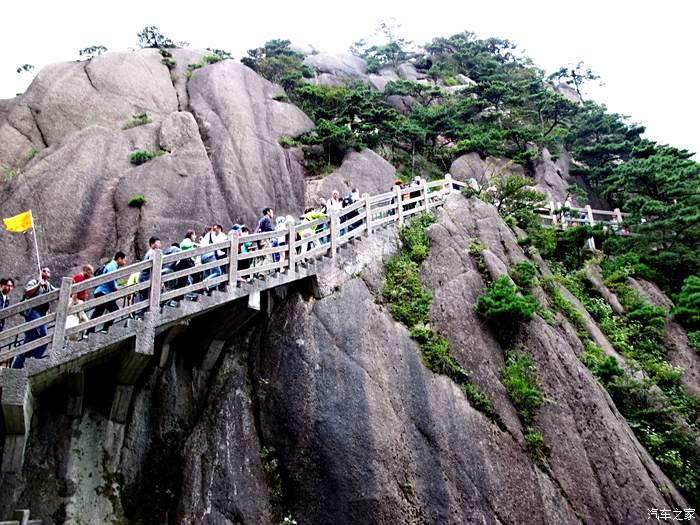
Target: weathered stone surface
567, 91
401, 103
419, 454
379, 81
83, 216
472, 165
241, 123
364, 170
341, 65
679, 352
465, 80
579, 454
550, 179
327, 80
408, 72
105, 91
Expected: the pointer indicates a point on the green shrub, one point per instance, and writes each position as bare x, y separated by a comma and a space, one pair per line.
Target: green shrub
141, 156
545, 240
169, 62
505, 308
415, 240
524, 274
281, 98
137, 201
519, 377
687, 310
409, 302
694, 340
287, 142
535, 445
139, 119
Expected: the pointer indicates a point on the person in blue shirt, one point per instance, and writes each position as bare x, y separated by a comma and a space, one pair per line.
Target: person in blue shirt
107, 288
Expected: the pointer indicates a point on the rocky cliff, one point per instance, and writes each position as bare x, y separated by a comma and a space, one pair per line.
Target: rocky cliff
323, 410
319, 408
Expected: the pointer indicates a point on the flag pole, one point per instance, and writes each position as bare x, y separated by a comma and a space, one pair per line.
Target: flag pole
36, 246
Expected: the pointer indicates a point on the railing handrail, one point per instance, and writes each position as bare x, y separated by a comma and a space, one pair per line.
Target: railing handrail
372, 212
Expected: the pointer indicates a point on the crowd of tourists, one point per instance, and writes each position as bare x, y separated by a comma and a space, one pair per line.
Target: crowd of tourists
211, 235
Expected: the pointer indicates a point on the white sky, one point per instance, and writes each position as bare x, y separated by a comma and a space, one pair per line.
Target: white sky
645, 52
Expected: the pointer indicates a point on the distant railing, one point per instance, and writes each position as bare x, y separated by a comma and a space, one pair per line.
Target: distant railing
565, 216
269, 252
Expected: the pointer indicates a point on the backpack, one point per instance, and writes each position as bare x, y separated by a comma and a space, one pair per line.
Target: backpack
101, 270
258, 227
347, 200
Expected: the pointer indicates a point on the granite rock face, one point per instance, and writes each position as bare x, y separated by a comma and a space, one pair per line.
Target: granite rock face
242, 123
216, 135
364, 170
320, 408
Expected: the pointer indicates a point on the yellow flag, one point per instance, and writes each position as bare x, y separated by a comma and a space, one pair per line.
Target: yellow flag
19, 223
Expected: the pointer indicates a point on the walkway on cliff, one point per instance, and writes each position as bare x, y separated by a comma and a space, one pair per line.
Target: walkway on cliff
166, 307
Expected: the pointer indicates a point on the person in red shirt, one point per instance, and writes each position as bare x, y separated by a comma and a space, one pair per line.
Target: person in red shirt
79, 277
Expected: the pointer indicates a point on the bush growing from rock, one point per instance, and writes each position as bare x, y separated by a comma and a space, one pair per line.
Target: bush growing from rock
139, 157
505, 307
136, 201
139, 119
524, 274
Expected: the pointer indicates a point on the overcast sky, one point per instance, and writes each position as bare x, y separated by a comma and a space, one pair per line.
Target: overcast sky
645, 52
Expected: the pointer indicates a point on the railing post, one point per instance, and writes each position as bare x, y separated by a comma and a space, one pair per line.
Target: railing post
154, 294
399, 202
368, 213
589, 214
561, 216
59, 331
426, 198
552, 213
618, 215
448, 182
333, 225
233, 260
291, 240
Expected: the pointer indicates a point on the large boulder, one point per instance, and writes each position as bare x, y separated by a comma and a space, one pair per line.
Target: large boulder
82, 215
344, 65
471, 165
106, 91
242, 123
364, 170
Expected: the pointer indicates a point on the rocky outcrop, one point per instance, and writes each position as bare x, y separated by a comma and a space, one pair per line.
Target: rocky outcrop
241, 124
583, 451
364, 170
217, 136
471, 165
323, 410
675, 339
345, 65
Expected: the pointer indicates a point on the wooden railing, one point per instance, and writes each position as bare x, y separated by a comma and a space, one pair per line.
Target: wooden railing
277, 251
269, 252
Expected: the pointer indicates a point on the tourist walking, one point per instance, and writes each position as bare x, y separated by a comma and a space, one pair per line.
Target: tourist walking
35, 288
105, 289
